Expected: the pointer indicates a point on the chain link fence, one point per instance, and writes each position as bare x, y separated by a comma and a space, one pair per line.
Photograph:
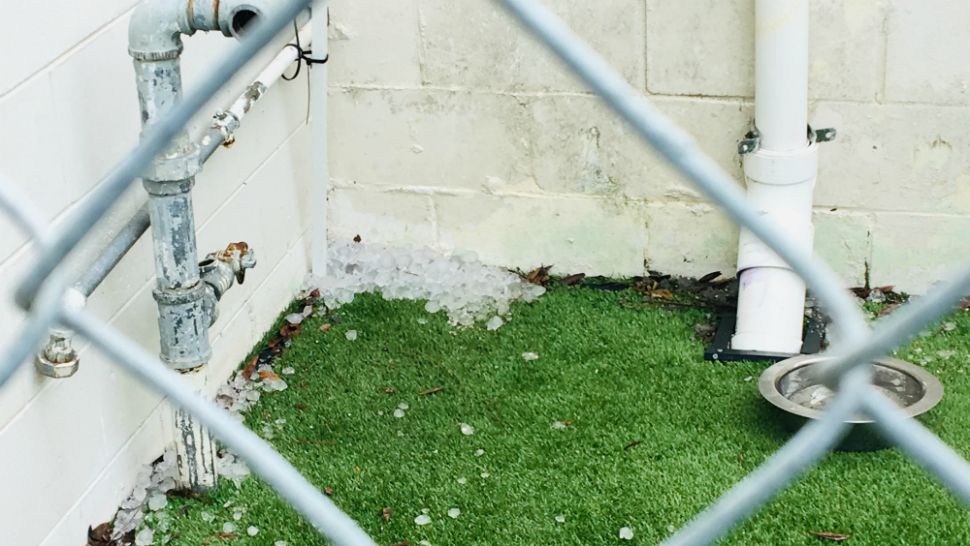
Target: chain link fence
42, 295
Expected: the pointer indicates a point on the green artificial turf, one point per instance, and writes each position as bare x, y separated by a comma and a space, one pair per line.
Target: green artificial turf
619, 374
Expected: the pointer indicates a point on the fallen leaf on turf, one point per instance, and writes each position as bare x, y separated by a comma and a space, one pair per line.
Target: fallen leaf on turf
386, 513
290, 330
709, 277
575, 278
250, 367
100, 535
861, 291
325, 327
231, 536
539, 275
389, 390
266, 374
662, 294
328, 491
432, 390
828, 535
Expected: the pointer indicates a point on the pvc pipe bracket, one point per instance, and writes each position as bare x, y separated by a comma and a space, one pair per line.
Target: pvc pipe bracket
752, 139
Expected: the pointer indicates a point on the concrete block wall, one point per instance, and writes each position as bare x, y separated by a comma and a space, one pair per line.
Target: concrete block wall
450, 127
70, 449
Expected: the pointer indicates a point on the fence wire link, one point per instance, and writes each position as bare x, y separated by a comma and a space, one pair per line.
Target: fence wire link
42, 292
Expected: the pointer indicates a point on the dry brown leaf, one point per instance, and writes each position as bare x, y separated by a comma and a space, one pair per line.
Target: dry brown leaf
386, 513
829, 535
570, 280
861, 291
100, 535
662, 294
266, 374
539, 275
709, 277
230, 536
328, 491
389, 390
325, 327
250, 367
432, 390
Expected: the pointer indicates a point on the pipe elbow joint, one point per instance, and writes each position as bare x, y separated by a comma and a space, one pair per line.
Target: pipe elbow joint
155, 29
238, 16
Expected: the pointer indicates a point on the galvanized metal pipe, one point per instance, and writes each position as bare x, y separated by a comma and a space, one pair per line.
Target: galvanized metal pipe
183, 322
66, 236
320, 511
114, 251
214, 138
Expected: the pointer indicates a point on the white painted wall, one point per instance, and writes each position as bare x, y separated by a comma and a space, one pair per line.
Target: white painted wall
69, 449
452, 128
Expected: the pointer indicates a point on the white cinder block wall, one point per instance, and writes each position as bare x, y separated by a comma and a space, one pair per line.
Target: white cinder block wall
452, 128
70, 449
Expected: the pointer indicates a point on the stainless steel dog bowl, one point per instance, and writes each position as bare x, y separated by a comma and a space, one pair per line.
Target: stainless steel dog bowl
793, 386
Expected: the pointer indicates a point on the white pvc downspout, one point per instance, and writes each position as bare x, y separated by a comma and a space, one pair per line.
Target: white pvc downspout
780, 178
320, 179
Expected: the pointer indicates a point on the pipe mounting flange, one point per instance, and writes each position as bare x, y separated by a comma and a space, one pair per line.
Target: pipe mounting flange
752, 139
826, 134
